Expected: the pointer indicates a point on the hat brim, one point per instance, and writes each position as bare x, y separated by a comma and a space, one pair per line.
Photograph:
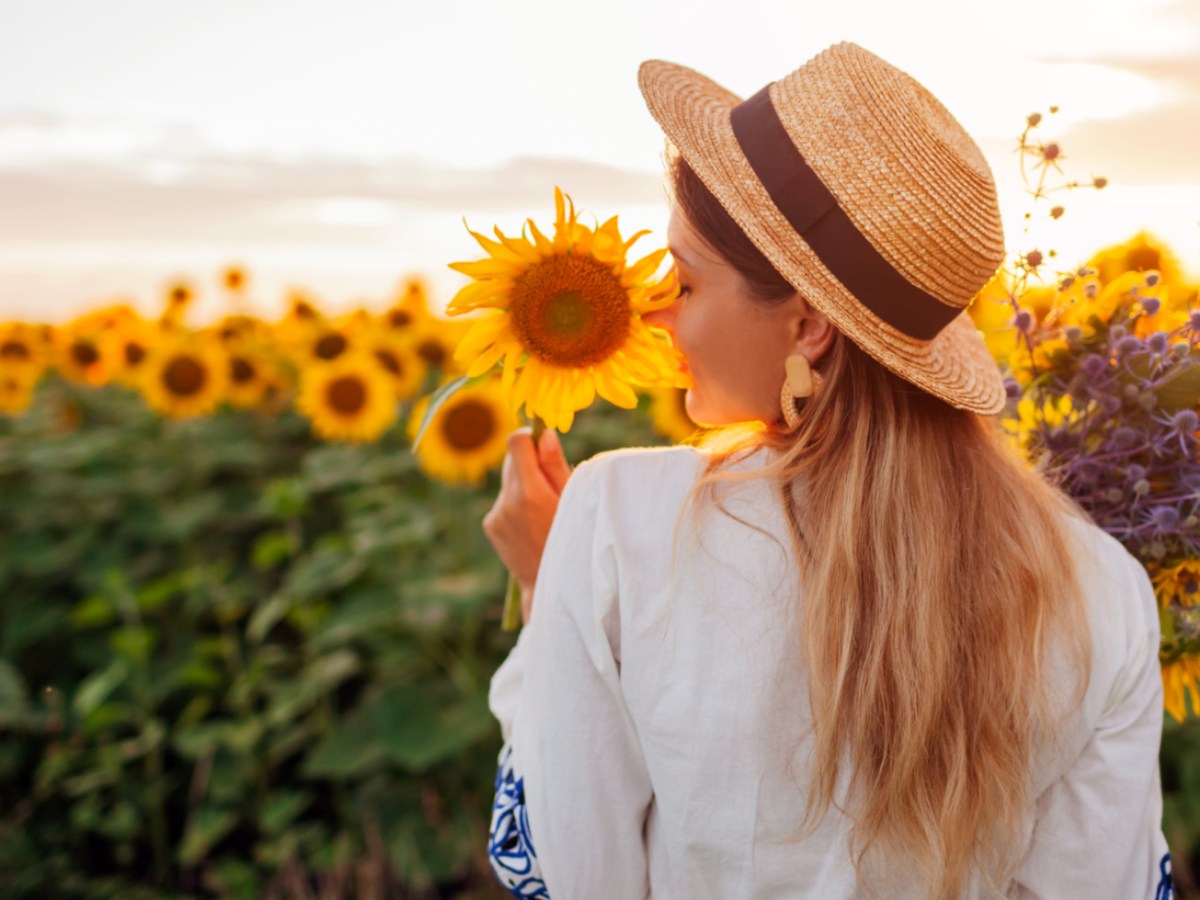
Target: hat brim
693, 112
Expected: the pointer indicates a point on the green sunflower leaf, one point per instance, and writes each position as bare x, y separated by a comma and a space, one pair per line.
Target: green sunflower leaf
440, 396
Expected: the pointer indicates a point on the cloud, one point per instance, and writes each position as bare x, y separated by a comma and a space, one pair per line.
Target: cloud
180, 198
1156, 145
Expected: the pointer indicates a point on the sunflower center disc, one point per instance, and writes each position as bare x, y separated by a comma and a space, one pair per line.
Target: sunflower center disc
240, 370
570, 311
14, 350
330, 346
184, 376
85, 354
468, 425
346, 395
390, 361
134, 353
432, 352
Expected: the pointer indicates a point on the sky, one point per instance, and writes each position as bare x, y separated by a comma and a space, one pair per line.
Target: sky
338, 147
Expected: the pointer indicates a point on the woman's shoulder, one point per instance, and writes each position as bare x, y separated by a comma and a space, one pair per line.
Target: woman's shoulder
677, 461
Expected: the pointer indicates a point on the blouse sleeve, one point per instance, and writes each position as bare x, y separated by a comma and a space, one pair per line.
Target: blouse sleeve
571, 771
1099, 827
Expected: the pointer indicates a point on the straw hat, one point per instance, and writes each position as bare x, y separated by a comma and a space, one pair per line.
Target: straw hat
866, 194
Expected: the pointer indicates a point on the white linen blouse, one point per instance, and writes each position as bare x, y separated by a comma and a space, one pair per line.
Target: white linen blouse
654, 718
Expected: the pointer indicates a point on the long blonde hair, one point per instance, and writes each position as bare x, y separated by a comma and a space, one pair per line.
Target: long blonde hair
938, 582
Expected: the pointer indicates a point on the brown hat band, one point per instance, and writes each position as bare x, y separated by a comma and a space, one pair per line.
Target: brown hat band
815, 215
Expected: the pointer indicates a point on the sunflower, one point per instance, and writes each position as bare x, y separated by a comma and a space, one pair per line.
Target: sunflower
404, 365
1142, 252
467, 436
23, 348
177, 299
238, 327
565, 317
349, 398
669, 414
250, 374
1179, 584
81, 353
411, 306
434, 340
324, 343
302, 318
185, 374
127, 347
16, 390
1180, 678
234, 278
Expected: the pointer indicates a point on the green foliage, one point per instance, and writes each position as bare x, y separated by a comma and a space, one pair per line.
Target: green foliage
233, 656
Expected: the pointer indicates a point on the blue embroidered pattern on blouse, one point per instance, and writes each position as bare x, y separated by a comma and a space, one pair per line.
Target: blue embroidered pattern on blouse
1166, 887
510, 847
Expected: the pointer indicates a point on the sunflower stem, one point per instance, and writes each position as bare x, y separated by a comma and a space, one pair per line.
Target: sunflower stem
511, 618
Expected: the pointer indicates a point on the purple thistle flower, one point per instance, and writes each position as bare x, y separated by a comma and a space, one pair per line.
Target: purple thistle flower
1185, 421
1012, 388
1163, 519
1150, 305
1128, 345
1157, 342
1124, 438
1094, 365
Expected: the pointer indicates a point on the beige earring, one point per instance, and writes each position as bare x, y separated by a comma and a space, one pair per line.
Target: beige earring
802, 381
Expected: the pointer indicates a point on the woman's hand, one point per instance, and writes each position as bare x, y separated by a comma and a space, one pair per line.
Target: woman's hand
531, 481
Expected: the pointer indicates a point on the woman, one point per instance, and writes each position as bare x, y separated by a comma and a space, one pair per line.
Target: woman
862, 650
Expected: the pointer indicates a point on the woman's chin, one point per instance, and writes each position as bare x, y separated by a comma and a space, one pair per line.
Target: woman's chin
703, 414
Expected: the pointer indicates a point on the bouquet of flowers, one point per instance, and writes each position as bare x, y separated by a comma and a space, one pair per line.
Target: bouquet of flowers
1103, 371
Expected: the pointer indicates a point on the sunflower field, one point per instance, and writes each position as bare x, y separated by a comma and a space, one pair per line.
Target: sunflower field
247, 635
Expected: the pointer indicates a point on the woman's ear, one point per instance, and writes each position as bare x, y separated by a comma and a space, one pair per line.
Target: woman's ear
811, 330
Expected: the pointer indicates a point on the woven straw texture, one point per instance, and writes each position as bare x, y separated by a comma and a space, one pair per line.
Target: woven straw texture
903, 169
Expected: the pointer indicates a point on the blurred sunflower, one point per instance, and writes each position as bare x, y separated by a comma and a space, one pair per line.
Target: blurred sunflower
1142, 252
238, 327
1180, 678
348, 398
669, 414
324, 343
81, 354
234, 278
106, 318
250, 374
467, 436
16, 390
127, 348
302, 318
411, 306
185, 374
405, 367
178, 298
565, 317
435, 339
23, 348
